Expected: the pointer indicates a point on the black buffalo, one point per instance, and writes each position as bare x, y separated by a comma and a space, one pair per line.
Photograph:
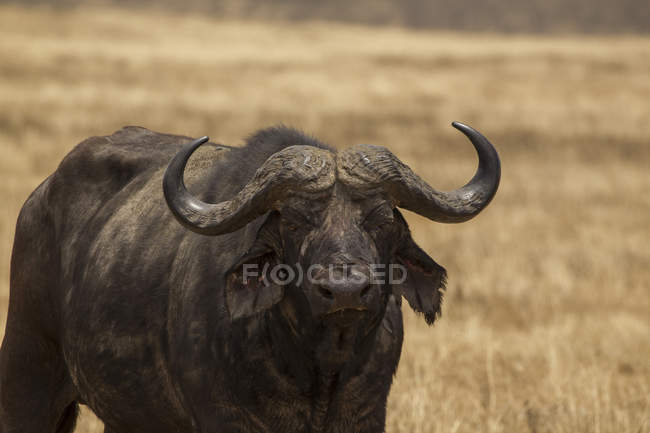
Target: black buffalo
163, 327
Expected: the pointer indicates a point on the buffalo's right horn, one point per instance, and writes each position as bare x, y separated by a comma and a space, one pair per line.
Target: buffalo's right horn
303, 168
366, 166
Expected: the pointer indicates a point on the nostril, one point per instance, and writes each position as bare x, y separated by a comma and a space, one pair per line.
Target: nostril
365, 291
325, 292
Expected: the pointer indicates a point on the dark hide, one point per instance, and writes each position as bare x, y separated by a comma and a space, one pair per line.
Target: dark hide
117, 306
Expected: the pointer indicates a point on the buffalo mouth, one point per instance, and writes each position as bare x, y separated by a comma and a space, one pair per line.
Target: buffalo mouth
346, 318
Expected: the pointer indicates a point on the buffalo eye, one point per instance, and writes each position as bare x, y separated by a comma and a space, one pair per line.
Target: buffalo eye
295, 221
379, 218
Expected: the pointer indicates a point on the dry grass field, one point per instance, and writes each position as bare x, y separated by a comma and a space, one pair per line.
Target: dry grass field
546, 324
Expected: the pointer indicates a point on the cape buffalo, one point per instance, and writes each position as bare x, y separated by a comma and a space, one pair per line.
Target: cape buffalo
166, 327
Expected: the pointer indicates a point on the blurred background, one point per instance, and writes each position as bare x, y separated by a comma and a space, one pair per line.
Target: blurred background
546, 324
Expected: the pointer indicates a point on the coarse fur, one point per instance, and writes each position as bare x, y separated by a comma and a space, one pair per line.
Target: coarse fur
117, 306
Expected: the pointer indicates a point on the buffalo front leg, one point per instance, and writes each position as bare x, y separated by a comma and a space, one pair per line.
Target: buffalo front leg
36, 394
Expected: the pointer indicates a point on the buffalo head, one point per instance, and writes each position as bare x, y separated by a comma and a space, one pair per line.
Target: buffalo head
333, 248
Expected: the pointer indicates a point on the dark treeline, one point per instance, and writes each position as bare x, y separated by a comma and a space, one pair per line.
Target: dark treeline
530, 16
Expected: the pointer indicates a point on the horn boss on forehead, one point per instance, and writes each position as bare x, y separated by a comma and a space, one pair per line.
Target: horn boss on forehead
367, 166
303, 168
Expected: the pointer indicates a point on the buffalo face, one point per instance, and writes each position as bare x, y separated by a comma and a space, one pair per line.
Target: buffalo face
331, 264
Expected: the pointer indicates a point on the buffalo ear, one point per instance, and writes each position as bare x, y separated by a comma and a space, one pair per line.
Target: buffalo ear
249, 290
424, 281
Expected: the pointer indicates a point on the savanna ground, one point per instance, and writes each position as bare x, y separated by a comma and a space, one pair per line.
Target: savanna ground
546, 324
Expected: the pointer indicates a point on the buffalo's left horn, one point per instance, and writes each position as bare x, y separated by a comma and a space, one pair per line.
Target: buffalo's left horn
368, 166
303, 168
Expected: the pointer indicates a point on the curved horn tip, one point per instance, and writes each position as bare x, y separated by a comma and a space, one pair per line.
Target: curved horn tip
189, 148
201, 140
463, 127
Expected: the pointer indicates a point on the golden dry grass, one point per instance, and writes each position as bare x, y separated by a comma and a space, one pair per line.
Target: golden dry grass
546, 325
